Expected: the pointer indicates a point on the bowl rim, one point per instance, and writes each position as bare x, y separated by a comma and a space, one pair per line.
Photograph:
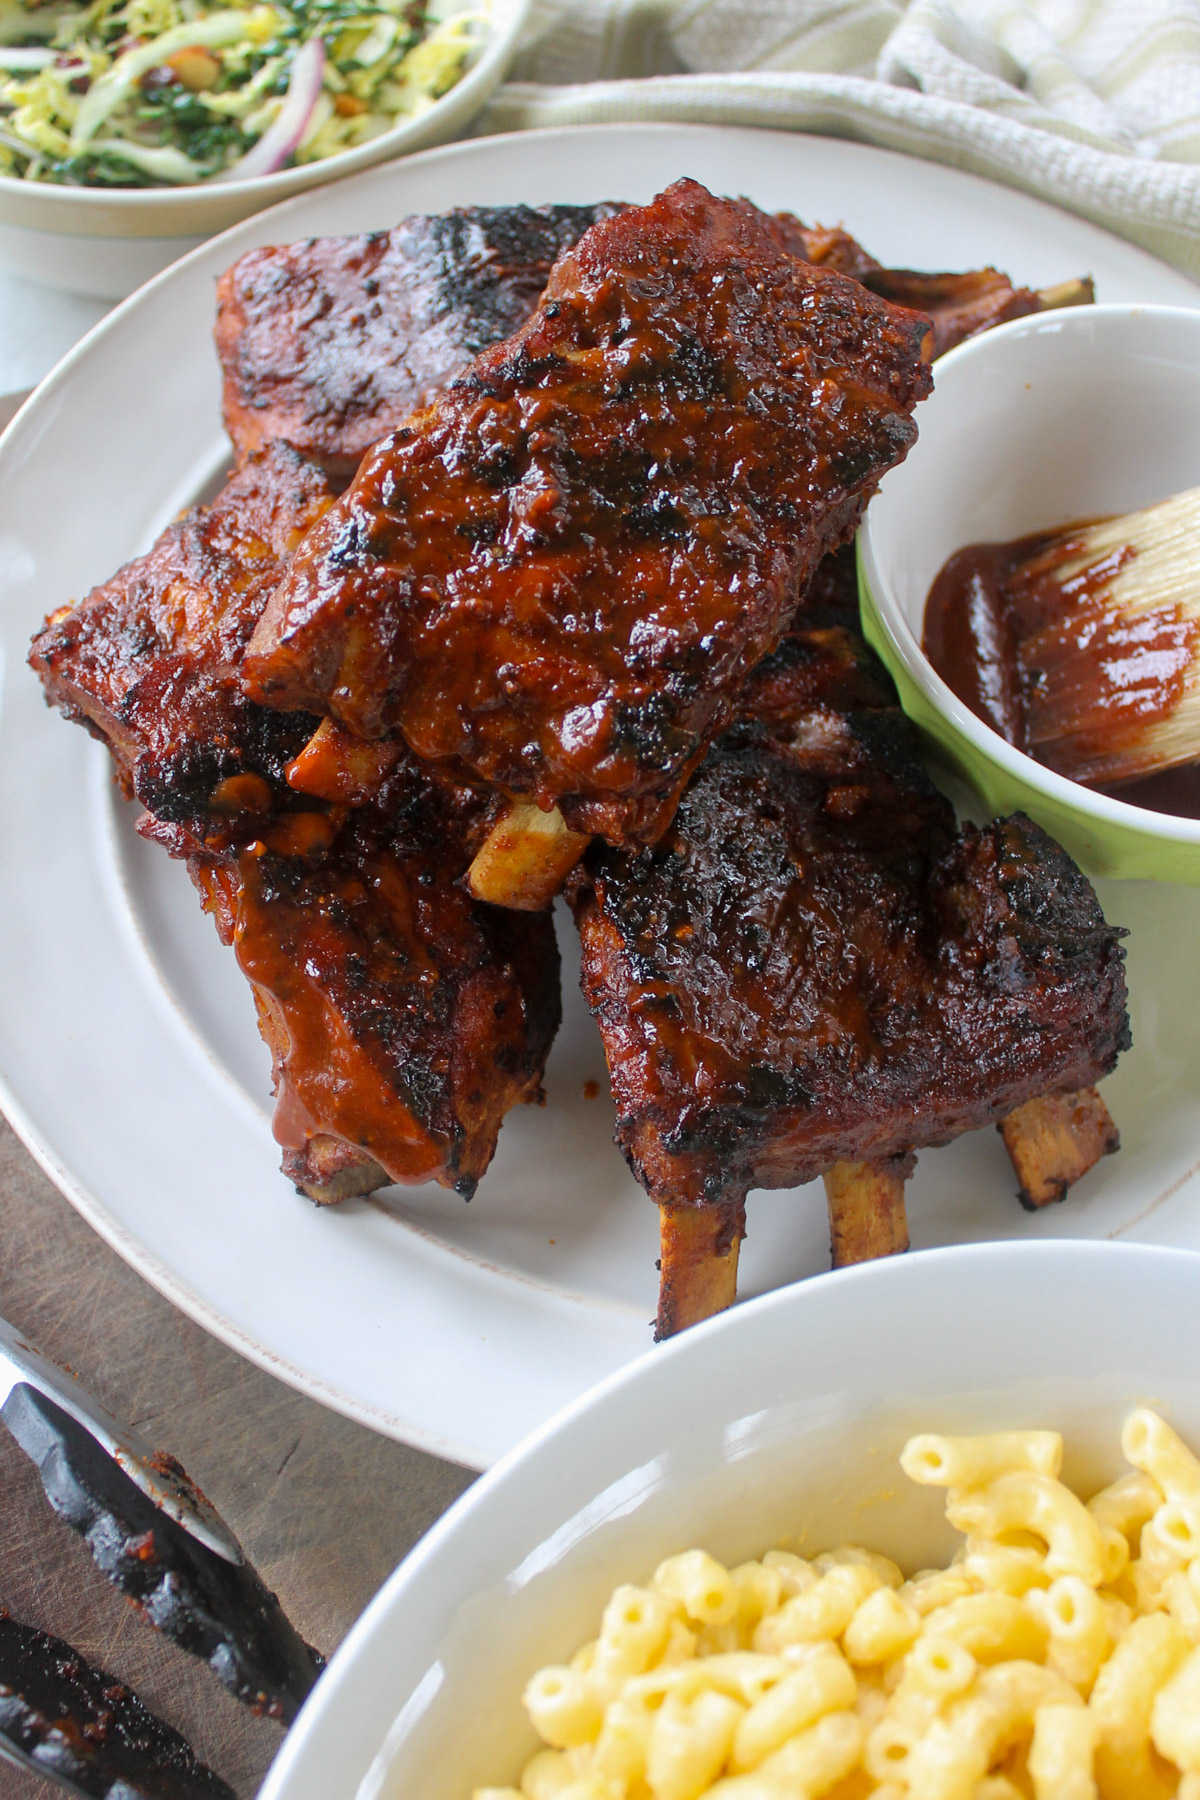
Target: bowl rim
1008, 1256
1103, 809
265, 190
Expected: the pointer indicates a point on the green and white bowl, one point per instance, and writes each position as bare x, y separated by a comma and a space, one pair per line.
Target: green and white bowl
1061, 416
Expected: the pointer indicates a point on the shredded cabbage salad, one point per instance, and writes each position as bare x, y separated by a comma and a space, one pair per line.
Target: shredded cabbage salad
148, 93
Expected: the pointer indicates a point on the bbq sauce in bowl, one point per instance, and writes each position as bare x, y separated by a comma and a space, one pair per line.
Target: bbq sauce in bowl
970, 639
990, 603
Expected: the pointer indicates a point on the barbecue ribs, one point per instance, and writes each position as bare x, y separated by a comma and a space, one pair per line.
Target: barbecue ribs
329, 344
814, 967
404, 1019
149, 661
556, 581
959, 306
558, 576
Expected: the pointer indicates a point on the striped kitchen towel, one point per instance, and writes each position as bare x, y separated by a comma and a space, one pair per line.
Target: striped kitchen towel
1093, 104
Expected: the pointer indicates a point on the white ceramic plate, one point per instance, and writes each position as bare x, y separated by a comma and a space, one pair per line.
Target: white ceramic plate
776, 1425
128, 1051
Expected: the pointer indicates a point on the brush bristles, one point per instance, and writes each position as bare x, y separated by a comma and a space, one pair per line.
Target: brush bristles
1112, 680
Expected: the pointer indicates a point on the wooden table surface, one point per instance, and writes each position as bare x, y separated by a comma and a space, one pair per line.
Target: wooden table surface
325, 1508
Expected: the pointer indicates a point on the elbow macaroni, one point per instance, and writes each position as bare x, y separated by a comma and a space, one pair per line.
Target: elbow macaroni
1057, 1657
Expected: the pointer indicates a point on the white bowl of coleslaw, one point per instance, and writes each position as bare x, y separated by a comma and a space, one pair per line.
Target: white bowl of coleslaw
130, 130
777, 1424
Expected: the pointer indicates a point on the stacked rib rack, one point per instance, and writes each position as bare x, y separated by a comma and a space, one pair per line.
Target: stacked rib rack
580, 618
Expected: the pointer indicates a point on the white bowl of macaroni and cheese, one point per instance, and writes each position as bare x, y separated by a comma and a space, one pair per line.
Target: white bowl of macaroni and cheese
926, 1527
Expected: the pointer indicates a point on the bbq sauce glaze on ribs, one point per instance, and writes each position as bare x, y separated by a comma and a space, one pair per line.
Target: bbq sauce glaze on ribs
559, 575
149, 660
330, 343
959, 305
815, 967
403, 1019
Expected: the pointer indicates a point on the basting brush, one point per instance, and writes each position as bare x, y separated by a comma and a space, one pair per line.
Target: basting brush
1105, 623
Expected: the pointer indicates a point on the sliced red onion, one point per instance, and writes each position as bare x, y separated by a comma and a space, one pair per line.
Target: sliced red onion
280, 139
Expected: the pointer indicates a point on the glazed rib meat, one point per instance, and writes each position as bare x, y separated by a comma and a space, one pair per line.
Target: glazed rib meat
404, 1020
815, 966
329, 344
959, 305
149, 660
558, 576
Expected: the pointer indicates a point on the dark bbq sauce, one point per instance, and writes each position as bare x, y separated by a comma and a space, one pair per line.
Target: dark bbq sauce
970, 640
1047, 662
1170, 791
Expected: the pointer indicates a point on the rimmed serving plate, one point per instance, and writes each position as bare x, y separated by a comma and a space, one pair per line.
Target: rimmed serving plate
128, 1054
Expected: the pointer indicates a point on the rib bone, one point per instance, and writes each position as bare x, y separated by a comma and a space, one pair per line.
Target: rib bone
697, 1267
1055, 1139
525, 858
866, 1210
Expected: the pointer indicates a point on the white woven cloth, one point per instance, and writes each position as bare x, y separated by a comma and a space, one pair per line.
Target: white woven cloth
1093, 104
